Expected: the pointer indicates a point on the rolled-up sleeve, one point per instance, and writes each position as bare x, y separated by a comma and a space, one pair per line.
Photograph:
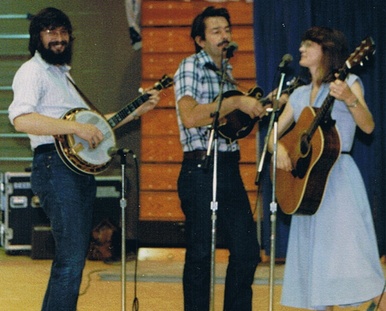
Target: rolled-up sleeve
26, 92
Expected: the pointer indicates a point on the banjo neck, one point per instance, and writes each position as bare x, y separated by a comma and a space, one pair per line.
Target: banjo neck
165, 82
130, 108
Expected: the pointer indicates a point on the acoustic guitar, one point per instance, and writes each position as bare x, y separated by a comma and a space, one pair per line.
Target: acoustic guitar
75, 152
313, 145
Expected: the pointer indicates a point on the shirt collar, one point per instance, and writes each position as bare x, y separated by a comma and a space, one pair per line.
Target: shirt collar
63, 68
204, 58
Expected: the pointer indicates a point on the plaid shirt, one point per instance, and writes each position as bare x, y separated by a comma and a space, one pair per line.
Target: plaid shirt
194, 79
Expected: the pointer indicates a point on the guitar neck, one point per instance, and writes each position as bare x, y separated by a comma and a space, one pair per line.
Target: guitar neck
123, 113
325, 110
321, 115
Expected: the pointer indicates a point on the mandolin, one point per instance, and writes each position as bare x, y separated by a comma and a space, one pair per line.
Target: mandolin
237, 124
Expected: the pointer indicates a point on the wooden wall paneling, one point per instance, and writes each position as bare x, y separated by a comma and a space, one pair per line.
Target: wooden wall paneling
161, 149
182, 13
167, 98
157, 64
164, 39
160, 122
168, 149
165, 206
160, 176
163, 176
160, 206
159, 189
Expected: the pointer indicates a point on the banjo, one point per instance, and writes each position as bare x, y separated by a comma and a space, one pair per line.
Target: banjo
75, 151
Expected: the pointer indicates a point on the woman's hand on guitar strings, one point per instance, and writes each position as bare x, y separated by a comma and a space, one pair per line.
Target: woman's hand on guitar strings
283, 159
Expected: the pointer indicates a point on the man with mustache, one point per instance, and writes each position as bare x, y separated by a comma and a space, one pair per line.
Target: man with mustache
197, 83
42, 94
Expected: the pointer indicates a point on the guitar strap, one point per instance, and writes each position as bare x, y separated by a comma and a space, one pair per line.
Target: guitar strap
84, 97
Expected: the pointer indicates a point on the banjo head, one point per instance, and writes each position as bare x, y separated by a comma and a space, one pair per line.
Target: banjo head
75, 151
100, 154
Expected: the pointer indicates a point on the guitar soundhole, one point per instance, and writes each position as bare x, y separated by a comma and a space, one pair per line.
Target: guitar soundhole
304, 145
302, 164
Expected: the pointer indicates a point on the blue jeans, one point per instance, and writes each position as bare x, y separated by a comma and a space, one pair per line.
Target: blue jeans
67, 198
234, 222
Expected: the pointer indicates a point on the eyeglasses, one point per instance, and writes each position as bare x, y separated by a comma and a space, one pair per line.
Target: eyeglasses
307, 43
56, 32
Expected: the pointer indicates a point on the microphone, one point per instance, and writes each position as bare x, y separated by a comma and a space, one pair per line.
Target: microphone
120, 151
230, 49
286, 59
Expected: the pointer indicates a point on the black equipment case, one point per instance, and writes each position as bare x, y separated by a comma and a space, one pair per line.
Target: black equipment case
20, 210
24, 227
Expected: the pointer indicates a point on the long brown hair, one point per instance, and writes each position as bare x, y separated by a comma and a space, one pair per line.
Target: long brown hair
334, 47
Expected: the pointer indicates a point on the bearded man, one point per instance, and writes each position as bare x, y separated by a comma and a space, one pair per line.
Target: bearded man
43, 93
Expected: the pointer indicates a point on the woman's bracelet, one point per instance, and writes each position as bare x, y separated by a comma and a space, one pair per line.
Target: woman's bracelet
353, 104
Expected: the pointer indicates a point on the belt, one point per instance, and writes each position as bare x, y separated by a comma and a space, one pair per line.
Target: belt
201, 155
44, 148
195, 155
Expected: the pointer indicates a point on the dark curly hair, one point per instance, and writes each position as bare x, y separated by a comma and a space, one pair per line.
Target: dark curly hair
334, 46
48, 18
198, 26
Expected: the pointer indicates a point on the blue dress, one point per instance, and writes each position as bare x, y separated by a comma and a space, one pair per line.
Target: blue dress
332, 256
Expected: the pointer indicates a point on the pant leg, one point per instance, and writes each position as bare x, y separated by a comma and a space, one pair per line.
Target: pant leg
237, 225
67, 198
195, 192
235, 220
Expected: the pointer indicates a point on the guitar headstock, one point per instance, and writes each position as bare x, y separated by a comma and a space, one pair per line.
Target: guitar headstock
293, 84
164, 83
362, 52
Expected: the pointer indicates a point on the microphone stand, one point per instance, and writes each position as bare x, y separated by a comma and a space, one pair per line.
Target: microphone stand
213, 142
123, 204
273, 205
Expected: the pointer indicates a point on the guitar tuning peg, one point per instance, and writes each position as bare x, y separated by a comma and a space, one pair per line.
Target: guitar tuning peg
140, 90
